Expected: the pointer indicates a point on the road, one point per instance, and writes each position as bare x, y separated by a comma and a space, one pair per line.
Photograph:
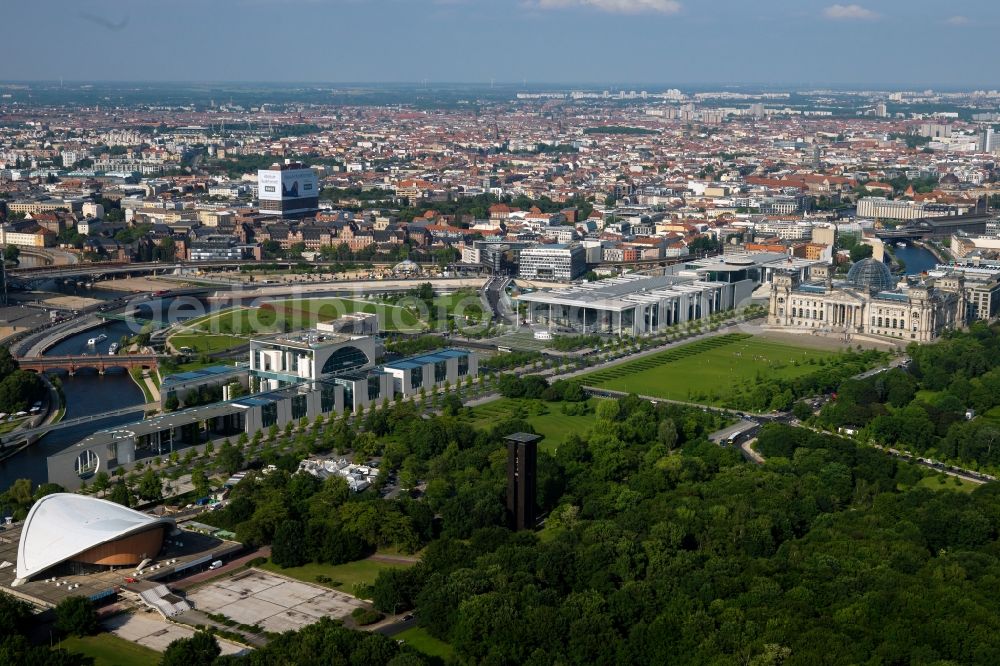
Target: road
70, 423
229, 567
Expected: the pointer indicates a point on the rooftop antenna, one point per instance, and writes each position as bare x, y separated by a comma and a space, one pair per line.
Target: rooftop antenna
491, 83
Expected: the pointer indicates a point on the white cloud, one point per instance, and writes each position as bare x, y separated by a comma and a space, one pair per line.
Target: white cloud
849, 13
957, 20
617, 6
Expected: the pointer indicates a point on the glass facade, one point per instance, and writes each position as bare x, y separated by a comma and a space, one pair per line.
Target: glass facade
345, 358
554, 262
300, 406
374, 387
348, 394
328, 398
463, 366
440, 371
269, 414
416, 377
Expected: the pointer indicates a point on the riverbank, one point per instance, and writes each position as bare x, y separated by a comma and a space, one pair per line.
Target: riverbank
914, 258
146, 383
942, 255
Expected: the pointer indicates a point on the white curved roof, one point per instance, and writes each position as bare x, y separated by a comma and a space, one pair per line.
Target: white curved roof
62, 525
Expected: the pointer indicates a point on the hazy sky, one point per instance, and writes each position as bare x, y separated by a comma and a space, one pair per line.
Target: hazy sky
901, 42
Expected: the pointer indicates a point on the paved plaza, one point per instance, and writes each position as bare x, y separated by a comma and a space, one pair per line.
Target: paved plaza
275, 603
152, 631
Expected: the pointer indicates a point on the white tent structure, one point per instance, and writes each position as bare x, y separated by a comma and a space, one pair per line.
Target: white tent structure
65, 526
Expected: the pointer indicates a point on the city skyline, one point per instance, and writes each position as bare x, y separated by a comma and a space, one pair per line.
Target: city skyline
629, 42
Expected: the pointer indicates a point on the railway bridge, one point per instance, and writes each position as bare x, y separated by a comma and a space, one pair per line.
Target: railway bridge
99, 362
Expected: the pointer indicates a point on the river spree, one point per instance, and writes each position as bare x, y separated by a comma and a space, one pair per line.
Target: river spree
916, 258
88, 393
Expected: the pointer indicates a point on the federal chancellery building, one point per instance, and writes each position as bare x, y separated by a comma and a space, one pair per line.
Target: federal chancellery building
869, 302
290, 377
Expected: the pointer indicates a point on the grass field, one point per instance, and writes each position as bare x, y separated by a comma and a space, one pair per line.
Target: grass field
297, 314
205, 343
344, 576
136, 374
109, 650
521, 341
927, 396
463, 305
945, 482
423, 642
8, 426
553, 424
713, 365
306, 312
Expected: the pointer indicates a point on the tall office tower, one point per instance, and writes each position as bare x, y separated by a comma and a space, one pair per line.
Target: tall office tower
880, 110
522, 459
289, 190
986, 141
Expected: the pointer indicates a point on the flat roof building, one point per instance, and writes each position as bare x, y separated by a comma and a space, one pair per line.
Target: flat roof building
561, 263
430, 371
633, 304
289, 190
288, 358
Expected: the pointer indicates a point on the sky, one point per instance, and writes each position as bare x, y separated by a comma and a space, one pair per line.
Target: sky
902, 43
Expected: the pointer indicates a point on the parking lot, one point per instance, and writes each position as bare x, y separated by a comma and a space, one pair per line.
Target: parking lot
275, 603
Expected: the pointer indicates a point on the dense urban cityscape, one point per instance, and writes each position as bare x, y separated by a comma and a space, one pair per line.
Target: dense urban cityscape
502, 372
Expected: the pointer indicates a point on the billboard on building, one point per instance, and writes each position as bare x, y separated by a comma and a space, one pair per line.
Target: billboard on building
287, 185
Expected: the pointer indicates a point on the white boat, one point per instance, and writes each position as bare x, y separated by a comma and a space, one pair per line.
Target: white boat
100, 338
113, 349
900, 244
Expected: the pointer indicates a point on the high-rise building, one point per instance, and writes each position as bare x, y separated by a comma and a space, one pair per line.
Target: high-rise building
881, 110
986, 141
290, 190
522, 460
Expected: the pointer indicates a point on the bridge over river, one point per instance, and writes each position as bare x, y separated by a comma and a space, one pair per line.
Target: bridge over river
99, 362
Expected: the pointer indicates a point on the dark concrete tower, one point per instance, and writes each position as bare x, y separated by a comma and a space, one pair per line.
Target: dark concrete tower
522, 457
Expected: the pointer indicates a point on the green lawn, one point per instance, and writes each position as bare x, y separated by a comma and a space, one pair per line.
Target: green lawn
552, 424
423, 642
344, 576
945, 482
206, 343
8, 426
925, 395
137, 377
306, 312
464, 305
108, 650
295, 314
712, 366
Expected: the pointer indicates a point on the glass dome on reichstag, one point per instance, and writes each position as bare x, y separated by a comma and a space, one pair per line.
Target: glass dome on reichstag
872, 275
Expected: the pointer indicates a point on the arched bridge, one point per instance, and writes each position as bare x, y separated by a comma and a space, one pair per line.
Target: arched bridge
99, 362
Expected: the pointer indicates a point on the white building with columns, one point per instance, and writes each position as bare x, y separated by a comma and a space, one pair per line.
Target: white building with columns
868, 303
